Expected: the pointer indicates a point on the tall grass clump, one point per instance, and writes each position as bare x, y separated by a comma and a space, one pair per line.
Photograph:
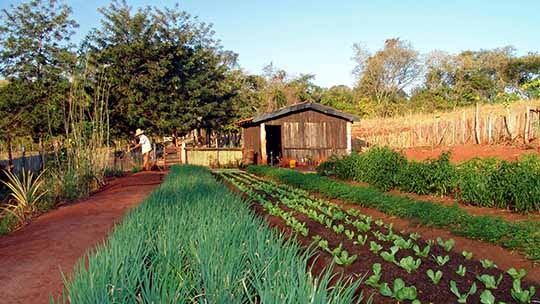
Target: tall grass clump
193, 241
78, 167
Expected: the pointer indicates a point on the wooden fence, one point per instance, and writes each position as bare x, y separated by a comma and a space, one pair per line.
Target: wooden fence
214, 157
32, 162
478, 125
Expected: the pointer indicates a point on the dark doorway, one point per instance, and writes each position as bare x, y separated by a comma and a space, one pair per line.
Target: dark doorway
273, 144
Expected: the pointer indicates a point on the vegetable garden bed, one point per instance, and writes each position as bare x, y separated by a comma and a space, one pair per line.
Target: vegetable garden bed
398, 266
192, 241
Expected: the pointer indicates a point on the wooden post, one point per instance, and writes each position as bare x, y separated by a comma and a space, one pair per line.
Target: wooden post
183, 153
477, 124
349, 137
527, 126
463, 128
263, 144
490, 129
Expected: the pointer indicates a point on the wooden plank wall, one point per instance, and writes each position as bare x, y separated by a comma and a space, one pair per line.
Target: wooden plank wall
311, 134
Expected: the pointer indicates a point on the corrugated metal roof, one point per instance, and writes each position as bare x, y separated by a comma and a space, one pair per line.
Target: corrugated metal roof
302, 107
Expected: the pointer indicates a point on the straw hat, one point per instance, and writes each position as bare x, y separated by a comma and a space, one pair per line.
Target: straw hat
139, 132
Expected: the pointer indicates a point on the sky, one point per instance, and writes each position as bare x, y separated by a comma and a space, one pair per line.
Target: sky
316, 36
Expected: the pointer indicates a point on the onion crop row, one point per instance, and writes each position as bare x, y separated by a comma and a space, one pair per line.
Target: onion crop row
192, 241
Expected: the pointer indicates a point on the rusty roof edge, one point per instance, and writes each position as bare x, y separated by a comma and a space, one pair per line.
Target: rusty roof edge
304, 106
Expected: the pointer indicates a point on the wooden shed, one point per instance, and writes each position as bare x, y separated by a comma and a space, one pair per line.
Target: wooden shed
304, 131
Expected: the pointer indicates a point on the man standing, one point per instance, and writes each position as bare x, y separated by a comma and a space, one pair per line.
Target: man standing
146, 147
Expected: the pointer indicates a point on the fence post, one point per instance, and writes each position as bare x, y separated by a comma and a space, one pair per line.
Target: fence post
527, 126
477, 124
183, 156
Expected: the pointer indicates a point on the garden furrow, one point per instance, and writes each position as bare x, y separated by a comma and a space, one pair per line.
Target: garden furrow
365, 245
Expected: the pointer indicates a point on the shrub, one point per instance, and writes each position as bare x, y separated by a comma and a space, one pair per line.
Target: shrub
113, 172
26, 192
483, 182
431, 176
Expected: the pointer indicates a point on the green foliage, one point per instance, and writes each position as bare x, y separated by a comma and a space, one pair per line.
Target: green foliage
373, 280
516, 275
447, 245
431, 176
484, 182
467, 254
487, 264
521, 295
175, 253
399, 291
379, 167
489, 281
409, 263
7, 223
486, 297
136, 169
434, 276
522, 236
26, 192
462, 298
113, 172
461, 270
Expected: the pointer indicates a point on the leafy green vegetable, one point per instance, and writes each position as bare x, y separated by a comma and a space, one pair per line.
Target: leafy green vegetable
349, 234
344, 259
447, 245
400, 291
487, 297
467, 255
441, 260
435, 276
523, 296
516, 275
488, 264
462, 298
373, 280
374, 247
360, 239
421, 253
489, 280
390, 256
461, 270
401, 243
409, 263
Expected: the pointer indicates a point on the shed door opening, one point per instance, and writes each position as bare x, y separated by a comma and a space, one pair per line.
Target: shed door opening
273, 144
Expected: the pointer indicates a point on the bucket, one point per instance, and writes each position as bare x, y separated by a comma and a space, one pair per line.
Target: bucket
292, 163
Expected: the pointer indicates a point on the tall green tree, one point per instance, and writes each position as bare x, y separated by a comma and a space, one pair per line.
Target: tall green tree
167, 72
36, 59
384, 76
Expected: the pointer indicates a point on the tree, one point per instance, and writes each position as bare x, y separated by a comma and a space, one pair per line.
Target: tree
36, 59
383, 77
168, 74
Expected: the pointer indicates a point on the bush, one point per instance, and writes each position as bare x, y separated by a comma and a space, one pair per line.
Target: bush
380, 167
482, 182
431, 176
113, 172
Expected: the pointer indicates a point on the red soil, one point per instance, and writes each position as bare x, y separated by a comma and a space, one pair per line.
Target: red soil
465, 152
32, 259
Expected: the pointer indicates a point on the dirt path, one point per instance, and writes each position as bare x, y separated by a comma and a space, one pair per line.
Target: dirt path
31, 259
465, 152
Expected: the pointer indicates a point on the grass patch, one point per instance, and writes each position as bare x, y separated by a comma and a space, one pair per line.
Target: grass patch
521, 236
